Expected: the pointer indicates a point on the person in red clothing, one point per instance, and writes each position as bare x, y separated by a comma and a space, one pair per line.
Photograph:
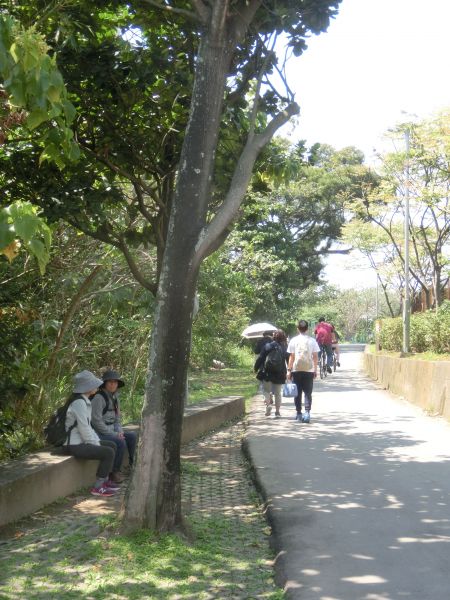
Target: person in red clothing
324, 337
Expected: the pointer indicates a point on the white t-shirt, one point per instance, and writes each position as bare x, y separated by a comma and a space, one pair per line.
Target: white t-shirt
297, 344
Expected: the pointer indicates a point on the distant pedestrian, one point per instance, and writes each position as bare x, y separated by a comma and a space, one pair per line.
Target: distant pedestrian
107, 421
82, 441
271, 370
266, 339
302, 369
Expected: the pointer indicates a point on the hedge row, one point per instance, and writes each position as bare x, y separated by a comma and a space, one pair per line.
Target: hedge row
429, 331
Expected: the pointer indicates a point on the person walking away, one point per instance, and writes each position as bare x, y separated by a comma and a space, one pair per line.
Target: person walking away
335, 337
266, 339
82, 441
323, 332
107, 421
302, 369
271, 370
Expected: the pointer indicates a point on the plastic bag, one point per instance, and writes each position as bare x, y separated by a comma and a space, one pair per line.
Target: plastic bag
289, 390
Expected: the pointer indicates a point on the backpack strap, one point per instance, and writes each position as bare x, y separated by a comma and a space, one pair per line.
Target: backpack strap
105, 396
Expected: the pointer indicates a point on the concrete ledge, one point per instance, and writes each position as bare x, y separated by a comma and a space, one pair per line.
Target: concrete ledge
204, 416
424, 383
29, 483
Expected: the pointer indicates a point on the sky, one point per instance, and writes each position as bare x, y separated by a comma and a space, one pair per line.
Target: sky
378, 60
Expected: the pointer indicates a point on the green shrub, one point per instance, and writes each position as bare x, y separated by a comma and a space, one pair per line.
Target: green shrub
391, 334
429, 331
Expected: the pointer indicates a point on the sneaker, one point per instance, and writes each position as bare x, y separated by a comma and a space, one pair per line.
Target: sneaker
306, 417
116, 477
268, 409
277, 414
103, 491
329, 370
111, 485
298, 417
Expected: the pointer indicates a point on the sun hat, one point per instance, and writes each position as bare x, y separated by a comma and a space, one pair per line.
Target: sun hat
85, 381
112, 375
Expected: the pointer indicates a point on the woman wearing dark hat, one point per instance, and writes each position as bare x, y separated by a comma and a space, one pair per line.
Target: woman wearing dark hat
107, 422
82, 441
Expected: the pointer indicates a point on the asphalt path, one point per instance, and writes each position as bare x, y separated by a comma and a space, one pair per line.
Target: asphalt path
359, 499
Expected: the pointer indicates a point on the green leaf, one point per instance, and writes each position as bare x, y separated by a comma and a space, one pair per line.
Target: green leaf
36, 118
69, 111
26, 226
7, 235
54, 93
37, 248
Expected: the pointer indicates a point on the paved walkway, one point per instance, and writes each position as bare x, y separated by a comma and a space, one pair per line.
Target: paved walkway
359, 499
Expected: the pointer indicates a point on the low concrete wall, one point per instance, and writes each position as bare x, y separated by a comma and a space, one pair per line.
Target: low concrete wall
424, 383
29, 483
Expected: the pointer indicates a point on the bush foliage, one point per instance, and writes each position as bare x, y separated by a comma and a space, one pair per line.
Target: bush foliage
429, 331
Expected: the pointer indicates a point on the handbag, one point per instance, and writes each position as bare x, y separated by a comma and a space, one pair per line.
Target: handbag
289, 390
261, 375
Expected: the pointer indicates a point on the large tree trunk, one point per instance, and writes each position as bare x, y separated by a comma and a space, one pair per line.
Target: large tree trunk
154, 495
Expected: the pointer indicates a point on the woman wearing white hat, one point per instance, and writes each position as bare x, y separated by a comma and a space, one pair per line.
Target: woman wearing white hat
82, 441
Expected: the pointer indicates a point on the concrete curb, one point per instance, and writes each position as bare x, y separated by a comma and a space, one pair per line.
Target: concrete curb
280, 576
29, 483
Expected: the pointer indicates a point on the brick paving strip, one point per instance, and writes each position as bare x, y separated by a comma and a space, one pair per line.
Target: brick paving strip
215, 482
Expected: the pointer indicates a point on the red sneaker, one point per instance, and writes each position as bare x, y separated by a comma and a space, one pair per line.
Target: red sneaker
110, 485
103, 491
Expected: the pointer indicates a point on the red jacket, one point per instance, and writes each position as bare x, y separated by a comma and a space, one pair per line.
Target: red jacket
323, 333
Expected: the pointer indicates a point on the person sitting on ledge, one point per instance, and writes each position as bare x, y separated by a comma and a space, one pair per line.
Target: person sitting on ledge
82, 441
107, 422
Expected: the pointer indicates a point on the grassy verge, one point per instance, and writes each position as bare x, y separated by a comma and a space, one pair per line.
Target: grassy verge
231, 381
239, 381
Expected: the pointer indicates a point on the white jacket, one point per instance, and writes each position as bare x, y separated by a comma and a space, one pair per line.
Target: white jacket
82, 433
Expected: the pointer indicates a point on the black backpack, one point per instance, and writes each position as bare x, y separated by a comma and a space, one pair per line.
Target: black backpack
55, 430
275, 363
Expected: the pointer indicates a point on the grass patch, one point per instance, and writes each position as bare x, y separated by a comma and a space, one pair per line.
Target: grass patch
231, 381
228, 558
239, 381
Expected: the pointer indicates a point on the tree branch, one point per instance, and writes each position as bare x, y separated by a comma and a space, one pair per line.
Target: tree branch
239, 183
177, 11
151, 287
202, 10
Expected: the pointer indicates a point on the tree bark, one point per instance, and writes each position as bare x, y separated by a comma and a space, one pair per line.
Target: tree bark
153, 498
154, 495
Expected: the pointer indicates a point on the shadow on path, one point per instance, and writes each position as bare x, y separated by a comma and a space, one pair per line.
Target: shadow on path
359, 500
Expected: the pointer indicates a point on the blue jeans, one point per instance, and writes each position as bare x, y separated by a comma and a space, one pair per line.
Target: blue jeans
329, 351
129, 442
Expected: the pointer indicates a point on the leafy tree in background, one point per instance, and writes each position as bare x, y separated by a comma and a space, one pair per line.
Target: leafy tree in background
429, 221
291, 221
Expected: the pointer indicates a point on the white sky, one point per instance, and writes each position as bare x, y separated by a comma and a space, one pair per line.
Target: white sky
377, 59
